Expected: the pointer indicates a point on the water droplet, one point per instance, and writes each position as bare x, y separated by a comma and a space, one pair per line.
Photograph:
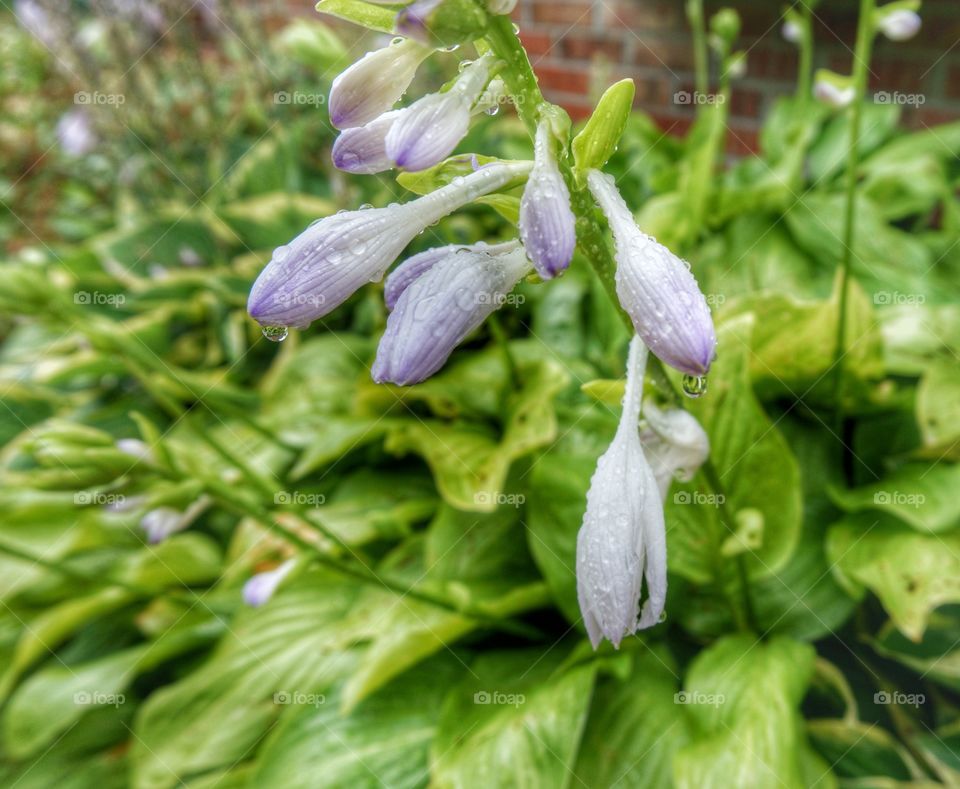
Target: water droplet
694, 385
275, 333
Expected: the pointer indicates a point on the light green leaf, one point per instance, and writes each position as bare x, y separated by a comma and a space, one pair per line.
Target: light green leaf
742, 698
598, 139
911, 573
923, 496
516, 720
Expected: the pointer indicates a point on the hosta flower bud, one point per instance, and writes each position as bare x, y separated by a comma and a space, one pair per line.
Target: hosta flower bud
900, 24
430, 128
162, 522
674, 443
411, 269
792, 32
833, 89
657, 289
259, 588
362, 149
75, 133
435, 312
622, 540
373, 84
332, 258
547, 224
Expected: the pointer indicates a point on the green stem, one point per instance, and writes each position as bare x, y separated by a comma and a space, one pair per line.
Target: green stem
700, 50
805, 78
861, 64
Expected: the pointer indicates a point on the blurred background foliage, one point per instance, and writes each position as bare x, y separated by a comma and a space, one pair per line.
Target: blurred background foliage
429, 630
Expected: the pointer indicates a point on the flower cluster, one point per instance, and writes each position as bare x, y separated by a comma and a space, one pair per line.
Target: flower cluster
439, 297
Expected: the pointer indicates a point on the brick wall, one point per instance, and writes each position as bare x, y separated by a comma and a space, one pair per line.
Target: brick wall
579, 46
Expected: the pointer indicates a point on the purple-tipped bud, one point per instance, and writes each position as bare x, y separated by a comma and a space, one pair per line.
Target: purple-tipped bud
656, 288
362, 149
622, 541
408, 271
430, 128
547, 224
435, 312
373, 84
259, 588
412, 20
332, 258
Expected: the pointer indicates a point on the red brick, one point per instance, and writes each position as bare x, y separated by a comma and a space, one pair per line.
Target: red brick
581, 47
555, 12
536, 43
569, 79
659, 52
742, 140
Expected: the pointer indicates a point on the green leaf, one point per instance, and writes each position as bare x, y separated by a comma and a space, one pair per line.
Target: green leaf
448, 171
635, 727
923, 496
382, 742
268, 220
938, 410
863, 750
373, 16
468, 462
911, 573
299, 644
598, 139
742, 698
516, 720
753, 464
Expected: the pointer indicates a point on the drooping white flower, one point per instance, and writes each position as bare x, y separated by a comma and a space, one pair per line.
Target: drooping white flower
657, 289
323, 266
259, 588
429, 129
675, 444
900, 24
373, 84
547, 223
622, 541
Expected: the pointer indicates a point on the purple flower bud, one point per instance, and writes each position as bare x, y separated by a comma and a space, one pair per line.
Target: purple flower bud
75, 133
430, 128
622, 541
362, 149
412, 20
900, 24
435, 312
332, 258
259, 588
547, 224
657, 289
373, 84
401, 277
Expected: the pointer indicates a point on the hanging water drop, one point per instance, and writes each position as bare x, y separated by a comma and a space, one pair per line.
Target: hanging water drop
694, 385
275, 333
